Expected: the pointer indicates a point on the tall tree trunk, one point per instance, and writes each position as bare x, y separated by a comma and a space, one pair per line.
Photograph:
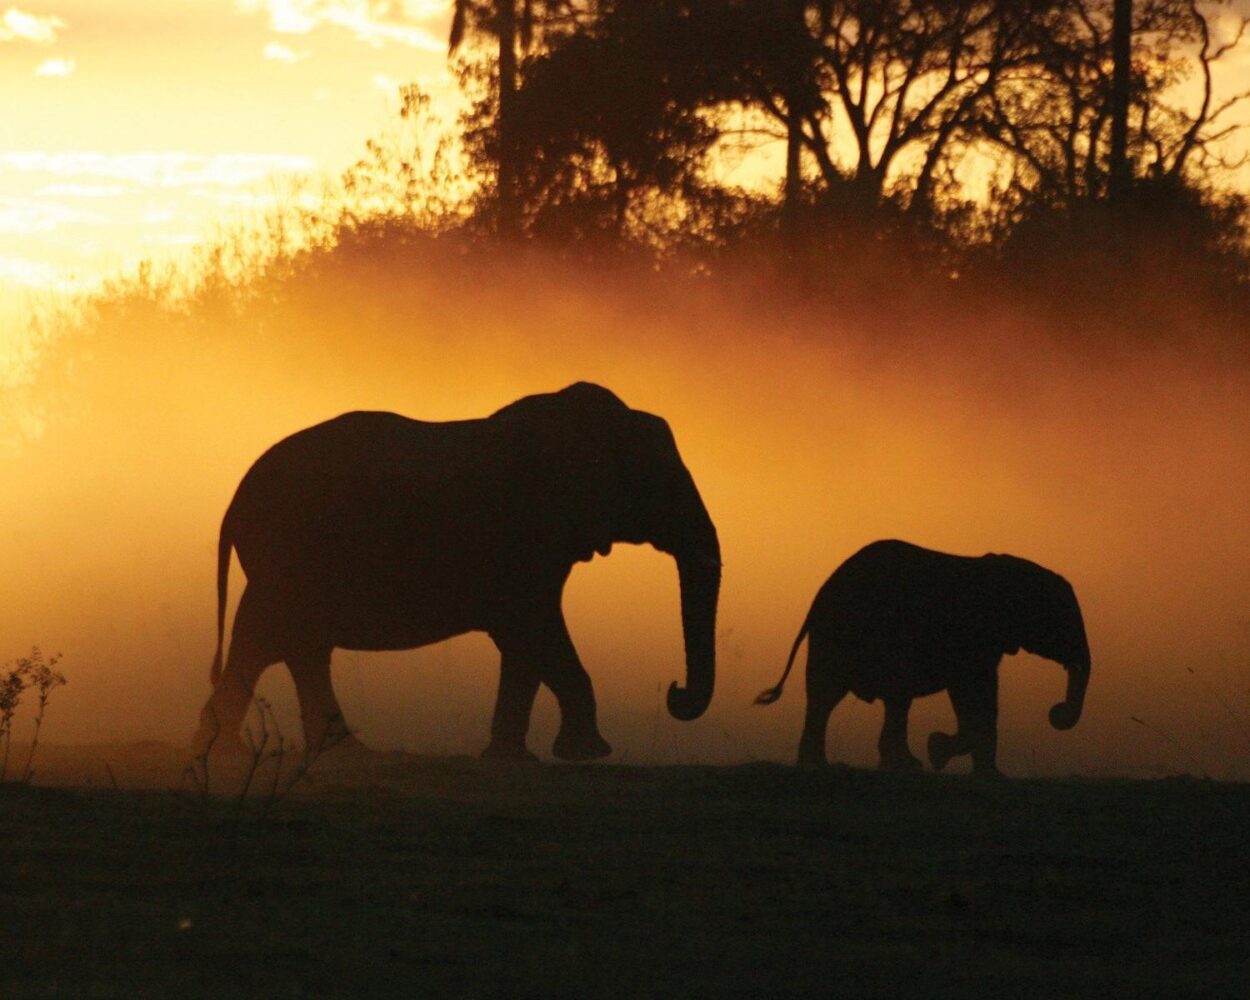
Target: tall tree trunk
509, 147
792, 194
1120, 173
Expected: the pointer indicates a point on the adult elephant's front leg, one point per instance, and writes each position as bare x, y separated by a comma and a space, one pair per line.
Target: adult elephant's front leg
542, 639
518, 685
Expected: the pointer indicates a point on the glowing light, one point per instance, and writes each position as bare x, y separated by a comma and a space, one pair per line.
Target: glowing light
84, 190
168, 169
24, 215
20, 271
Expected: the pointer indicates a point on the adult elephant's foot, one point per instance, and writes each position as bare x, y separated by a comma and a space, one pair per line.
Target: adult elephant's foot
332, 737
583, 746
499, 749
216, 744
340, 743
942, 748
901, 762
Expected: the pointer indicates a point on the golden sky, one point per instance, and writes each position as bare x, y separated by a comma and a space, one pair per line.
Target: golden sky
132, 126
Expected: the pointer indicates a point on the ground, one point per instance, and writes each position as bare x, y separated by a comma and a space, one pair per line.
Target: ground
394, 875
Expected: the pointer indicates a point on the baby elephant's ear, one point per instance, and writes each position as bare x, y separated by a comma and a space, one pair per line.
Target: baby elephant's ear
1004, 611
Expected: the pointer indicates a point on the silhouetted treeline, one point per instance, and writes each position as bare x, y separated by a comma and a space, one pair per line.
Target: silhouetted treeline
878, 104
895, 143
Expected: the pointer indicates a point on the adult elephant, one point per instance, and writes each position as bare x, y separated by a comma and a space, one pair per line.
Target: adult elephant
897, 622
373, 531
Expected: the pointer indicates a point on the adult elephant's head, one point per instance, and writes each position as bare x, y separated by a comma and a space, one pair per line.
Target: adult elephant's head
1042, 616
594, 472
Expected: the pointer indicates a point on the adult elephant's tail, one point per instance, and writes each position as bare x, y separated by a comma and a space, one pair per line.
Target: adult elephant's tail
773, 693
224, 544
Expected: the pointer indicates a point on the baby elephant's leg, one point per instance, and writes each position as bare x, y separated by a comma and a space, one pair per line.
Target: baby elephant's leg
975, 700
895, 754
824, 691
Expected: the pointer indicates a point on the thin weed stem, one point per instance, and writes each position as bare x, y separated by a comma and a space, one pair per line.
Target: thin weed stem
1179, 747
1238, 721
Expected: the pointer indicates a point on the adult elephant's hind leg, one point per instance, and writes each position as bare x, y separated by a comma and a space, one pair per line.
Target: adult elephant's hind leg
892, 746
324, 725
253, 647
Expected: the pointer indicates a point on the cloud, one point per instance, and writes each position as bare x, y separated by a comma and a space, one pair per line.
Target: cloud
19, 26
276, 52
407, 22
26, 216
56, 67
160, 169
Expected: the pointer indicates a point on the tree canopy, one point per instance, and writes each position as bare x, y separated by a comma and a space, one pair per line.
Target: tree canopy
961, 139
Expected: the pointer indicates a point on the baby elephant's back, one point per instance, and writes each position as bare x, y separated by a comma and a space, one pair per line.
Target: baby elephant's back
889, 591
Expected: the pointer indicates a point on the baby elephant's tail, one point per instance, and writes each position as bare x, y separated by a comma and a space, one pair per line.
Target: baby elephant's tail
773, 693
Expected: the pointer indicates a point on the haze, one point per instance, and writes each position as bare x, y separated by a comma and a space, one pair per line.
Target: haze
807, 436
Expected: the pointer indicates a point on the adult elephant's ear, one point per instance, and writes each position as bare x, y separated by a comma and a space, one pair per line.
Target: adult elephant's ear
566, 470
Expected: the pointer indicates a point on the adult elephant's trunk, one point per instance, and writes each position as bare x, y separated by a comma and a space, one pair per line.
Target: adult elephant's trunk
1067, 713
698, 568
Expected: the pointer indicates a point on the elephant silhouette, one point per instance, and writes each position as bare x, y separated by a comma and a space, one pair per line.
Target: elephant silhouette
373, 531
898, 622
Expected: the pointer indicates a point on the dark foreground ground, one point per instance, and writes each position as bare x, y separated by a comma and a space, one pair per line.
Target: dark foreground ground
391, 875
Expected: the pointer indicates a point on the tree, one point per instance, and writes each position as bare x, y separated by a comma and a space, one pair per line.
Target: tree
511, 23
876, 94
609, 111
1120, 171
1165, 234
909, 78
1051, 116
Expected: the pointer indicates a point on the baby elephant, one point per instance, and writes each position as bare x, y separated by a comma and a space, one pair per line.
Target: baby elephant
896, 622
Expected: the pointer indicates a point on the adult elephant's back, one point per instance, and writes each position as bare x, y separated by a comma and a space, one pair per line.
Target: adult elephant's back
361, 506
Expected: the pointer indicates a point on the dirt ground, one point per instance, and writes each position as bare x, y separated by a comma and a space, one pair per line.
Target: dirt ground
395, 875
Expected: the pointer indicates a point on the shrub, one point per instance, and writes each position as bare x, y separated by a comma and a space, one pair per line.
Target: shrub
28, 673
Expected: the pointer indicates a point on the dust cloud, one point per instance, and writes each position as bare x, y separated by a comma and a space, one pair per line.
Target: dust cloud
1126, 471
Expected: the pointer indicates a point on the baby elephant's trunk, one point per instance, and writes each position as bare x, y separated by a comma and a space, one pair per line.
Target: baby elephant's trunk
1067, 713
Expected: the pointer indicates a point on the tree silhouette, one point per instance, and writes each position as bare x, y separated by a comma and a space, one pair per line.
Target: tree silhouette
512, 24
615, 143
1052, 117
1120, 170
